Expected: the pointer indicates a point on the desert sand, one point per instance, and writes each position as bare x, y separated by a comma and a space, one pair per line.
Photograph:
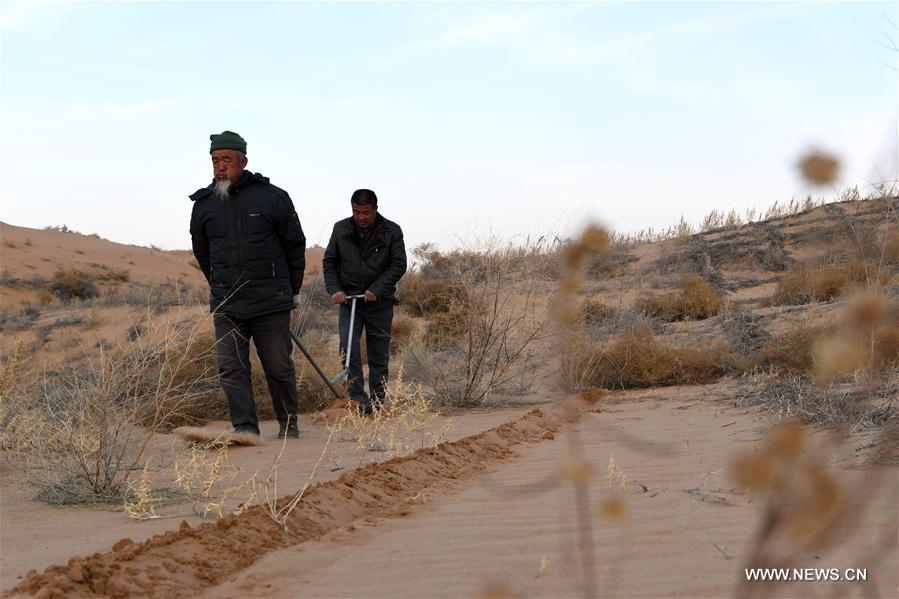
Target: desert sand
532, 492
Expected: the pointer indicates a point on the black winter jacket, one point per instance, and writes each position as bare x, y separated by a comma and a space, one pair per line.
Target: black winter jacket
251, 247
353, 265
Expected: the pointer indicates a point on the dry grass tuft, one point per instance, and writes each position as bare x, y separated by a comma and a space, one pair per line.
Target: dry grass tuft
636, 359
819, 167
594, 312
822, 283
79, 433
696, 300
867, 343
403, 425
429, 298
791, 352
70, 285
483, 329
406, 331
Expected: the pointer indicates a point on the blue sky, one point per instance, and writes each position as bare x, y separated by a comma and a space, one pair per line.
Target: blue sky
467, 119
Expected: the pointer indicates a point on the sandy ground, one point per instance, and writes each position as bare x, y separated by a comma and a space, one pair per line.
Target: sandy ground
491, 515
34, 535
686, 535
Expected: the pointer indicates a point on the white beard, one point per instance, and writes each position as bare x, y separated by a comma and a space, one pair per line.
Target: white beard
221, 189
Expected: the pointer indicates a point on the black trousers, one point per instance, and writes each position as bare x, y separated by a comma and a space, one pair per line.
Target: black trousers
376, 318
271, 335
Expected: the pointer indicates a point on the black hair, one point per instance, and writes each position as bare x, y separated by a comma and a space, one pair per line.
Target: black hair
364, 197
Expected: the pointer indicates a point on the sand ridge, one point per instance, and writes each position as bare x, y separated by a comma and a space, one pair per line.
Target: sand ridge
183, 562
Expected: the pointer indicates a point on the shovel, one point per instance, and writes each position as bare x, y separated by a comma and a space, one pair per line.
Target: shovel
345, 373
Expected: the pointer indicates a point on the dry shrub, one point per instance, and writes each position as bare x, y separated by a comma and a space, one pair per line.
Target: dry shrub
475, 261
866, 343
484, 336
429, 298
787, 353
822, 283
594, 312
405, 331
69, 285
696, 300
111, 274
891, 250
445, 328
403, 425
743, 329
637, 359
78, 433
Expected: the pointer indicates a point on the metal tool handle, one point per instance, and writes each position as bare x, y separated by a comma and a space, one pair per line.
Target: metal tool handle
314, 365
349, 341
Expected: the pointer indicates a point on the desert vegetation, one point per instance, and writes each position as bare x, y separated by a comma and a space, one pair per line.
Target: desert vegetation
795, 316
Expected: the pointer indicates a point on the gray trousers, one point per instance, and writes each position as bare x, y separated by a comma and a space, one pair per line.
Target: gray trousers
271, 335
376, 318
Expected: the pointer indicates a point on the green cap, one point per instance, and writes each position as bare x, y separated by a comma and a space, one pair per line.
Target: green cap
227, 140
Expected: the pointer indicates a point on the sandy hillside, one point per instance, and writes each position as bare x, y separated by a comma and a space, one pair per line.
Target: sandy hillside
638, 455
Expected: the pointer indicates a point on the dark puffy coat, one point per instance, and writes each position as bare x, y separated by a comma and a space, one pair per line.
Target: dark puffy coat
354, 265
251, 247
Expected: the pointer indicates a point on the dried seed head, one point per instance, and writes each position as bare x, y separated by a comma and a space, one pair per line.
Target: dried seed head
758, 471
578, 469
867, 310
819, 168
839, 356
613, 509
786, 442
814, 504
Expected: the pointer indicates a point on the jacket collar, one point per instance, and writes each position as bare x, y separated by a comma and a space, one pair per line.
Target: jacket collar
246, 179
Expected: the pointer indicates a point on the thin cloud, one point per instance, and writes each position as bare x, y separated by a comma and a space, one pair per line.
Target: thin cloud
503, 28
538, 35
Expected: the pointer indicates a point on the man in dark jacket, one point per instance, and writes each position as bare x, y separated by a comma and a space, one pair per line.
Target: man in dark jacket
365, 256
249, 243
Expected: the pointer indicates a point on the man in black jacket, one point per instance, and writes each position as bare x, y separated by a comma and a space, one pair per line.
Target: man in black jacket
249, 243
365, 256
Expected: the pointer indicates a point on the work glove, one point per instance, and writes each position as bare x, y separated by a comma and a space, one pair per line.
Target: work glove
296, 301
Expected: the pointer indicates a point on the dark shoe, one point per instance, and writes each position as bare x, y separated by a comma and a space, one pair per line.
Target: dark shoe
289, 429
365, 409
246, 429
377, 404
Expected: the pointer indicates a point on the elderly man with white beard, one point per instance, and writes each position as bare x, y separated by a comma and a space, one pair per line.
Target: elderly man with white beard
249, 243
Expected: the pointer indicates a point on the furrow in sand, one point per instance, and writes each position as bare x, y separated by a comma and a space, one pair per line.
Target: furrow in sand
182, 562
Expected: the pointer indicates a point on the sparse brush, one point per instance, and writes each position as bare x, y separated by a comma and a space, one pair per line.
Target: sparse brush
401, 426
430, 298
743, 329
696, 300
866, 343
405, 331
69, 285
637, 359
483, 326
139, 503
211, 481
790, 352
594, 312
822, 283
78, 433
